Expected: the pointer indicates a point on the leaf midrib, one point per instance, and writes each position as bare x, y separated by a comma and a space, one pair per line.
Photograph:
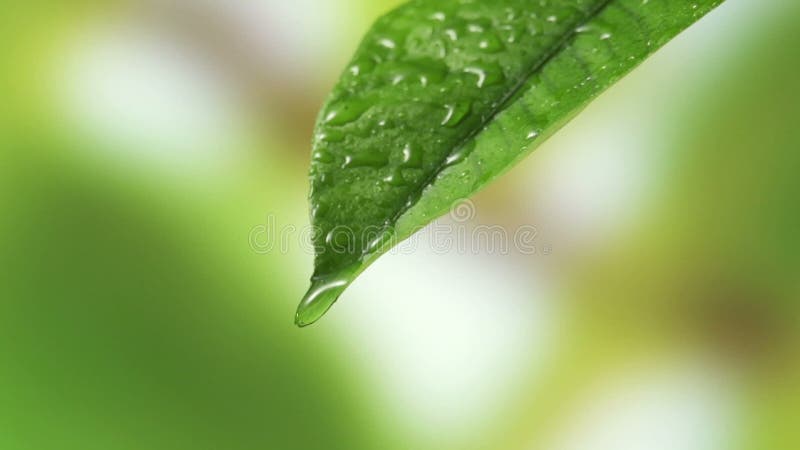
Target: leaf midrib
502, 106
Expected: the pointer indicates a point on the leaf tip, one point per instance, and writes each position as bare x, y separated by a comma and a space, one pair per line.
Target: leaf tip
322, 294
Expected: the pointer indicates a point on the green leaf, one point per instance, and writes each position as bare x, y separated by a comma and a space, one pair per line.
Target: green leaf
443, 96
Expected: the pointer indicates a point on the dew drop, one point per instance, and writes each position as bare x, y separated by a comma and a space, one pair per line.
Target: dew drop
320, 297
366, 159
332, 136
490, 44
478, 72
423, 71
387, 43
487, 75
322, 156
395, 178
460, 154
318, 210
361, 67
411, 157
379, 241
454, 159
456, 113
346, 112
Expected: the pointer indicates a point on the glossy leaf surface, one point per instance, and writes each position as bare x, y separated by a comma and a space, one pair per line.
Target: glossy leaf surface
443, 96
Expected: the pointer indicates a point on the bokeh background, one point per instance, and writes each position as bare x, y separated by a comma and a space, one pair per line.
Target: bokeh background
142, 142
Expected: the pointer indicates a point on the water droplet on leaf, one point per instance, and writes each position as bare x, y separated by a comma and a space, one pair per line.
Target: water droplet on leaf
456, 113
365, 159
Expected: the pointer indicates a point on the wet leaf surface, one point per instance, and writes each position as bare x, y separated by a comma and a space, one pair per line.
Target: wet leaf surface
444, 96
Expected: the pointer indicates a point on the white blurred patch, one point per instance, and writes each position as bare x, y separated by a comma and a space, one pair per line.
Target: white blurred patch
587, 182
149, 99
290, 39
681, 408
592, 182
448, 337
298, 35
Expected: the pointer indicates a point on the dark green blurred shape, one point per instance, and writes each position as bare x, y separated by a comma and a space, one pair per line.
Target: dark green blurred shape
135, 316
120, 329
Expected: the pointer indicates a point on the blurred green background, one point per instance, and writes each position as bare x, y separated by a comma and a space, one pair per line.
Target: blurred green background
145, 144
